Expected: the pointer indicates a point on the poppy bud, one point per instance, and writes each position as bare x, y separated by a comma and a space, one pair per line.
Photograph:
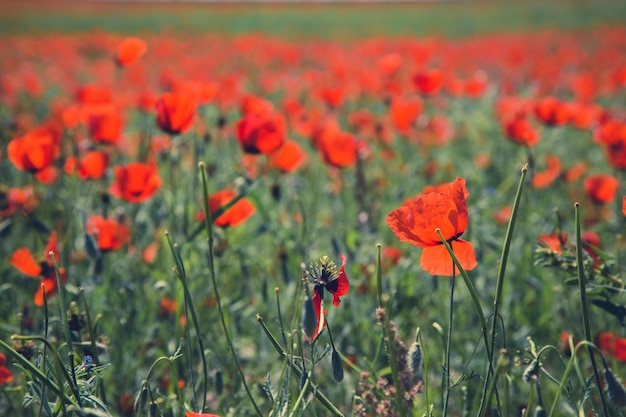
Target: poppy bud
141, 399
530, 373
309, 319
337, 366
219, 382
415, 359
540, 411
614, 389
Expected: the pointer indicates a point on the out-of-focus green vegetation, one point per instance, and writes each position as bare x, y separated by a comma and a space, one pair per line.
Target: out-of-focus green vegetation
327, 20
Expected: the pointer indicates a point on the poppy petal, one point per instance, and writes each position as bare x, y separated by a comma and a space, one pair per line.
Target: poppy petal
437, 261
24, 262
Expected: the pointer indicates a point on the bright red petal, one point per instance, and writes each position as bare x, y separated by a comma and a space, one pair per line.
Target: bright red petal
339, 286
318, 305
191, 414
5, 376
24, 262
437, 261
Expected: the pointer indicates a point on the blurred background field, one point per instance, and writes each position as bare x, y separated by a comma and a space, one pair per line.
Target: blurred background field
449, 18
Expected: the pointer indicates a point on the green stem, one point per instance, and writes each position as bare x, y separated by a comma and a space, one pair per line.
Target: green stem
66, 324
296, 368
92, 340
209, 229
446, 375
583, 304
497, 303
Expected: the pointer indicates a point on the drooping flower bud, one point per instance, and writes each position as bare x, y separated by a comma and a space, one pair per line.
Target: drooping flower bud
337, 366
614, 389
309, 319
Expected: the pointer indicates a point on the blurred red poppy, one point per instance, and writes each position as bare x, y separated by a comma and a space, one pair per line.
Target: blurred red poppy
601, 188
237, 214
520, 130
91, 166
544, 178
552, 111
429, 82
288, 157
106, 126
35, 151
191, 414
135, 182
417, 221
555, 241
16, 199
337, 149
175, 112
261, 132
404, 112
624, 205
612, 135
129, 51
23, 260
110, 234
6, 375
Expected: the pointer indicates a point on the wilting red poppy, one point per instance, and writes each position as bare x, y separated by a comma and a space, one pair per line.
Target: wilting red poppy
110, 234
417, 221
544, 178
288, 157
235, 215
5, 373
404, 112
91, 166
601, 188
35, 151
261, 132
23, 260
129, 51
429, 82
338, 149
135, 182
520, 130
552, 111
106, 126
325, 276
175, 112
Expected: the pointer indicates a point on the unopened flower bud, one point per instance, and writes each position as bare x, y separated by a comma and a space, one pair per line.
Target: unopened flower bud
337, 366
614, 389
309, 319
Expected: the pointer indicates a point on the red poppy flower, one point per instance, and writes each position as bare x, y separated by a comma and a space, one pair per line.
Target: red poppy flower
261, 132
23, 260
135, 182
5, 373
601, 188
288, 157
429, 82
91, 166
391, 256
552, 111
337, 148
175, 112
238, 213
520, 130
417, 221
106, 126
404, 112
553, 170
129, 51
389, 64
325, 276
191, 414
110, 234
35, 151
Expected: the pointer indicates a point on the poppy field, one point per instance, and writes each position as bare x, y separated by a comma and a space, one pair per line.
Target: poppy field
250, 224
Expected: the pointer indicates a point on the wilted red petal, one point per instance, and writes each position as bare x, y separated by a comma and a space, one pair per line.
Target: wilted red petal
24, 262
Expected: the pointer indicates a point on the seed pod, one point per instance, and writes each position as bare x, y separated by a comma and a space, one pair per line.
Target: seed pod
337, 366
